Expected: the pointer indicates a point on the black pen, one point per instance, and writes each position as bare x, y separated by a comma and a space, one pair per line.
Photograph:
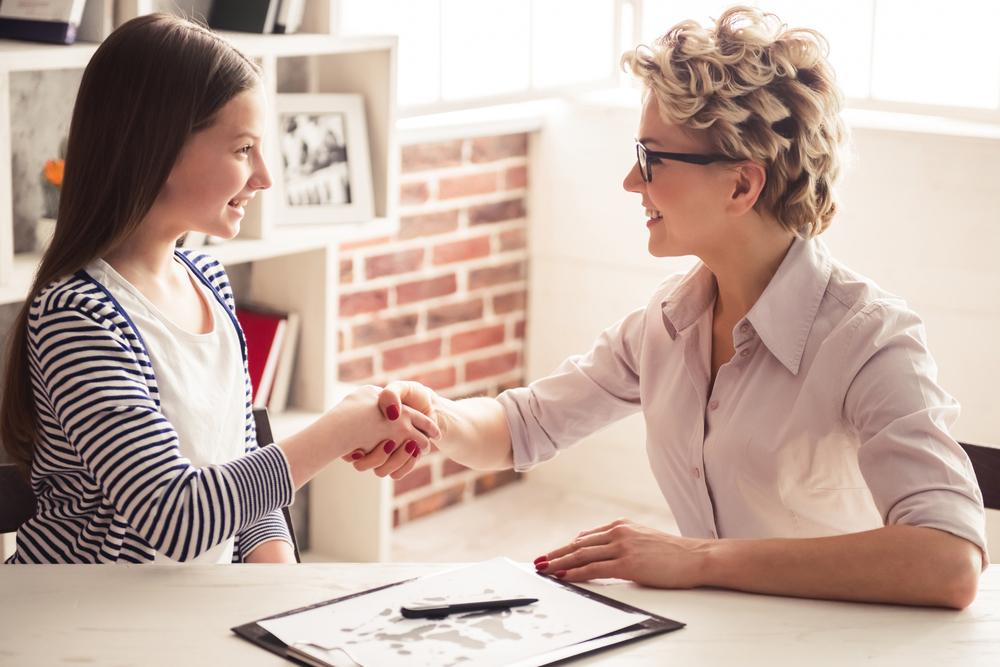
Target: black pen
440, 611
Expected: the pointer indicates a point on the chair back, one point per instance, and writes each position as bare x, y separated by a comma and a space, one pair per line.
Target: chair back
986, 463
264, 438
17, 502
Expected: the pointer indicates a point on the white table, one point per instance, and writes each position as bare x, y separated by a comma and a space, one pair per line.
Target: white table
180, 616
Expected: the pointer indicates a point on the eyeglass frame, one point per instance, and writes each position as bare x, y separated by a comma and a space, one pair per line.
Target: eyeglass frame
643, 155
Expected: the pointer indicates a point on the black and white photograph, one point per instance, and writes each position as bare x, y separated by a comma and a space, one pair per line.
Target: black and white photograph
325, 174
314, 155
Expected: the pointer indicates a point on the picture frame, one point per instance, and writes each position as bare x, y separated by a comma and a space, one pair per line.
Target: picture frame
324, 171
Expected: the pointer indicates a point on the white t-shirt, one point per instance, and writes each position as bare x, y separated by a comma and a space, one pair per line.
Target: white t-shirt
200, 378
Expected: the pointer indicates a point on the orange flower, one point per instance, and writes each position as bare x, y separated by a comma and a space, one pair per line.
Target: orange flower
54, 172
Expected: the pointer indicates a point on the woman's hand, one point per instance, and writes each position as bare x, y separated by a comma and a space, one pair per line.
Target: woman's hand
391, 457
359, 422
626, 550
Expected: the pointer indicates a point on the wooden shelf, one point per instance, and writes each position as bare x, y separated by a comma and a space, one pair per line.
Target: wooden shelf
18, 56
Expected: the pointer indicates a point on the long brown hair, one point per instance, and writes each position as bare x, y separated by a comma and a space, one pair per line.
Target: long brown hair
154, 82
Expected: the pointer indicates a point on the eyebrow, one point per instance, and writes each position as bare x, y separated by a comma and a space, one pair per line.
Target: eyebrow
648, 140
249, 135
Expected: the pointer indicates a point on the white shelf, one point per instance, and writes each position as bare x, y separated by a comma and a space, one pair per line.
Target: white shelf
24, 270
31, 56
295, 267
286, 241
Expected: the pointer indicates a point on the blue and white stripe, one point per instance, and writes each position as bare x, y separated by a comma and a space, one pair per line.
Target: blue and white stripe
108, 476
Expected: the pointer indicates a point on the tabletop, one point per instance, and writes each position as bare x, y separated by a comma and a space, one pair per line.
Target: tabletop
181, 615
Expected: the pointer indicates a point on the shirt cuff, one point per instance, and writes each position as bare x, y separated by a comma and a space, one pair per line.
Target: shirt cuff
530, 444
943, 510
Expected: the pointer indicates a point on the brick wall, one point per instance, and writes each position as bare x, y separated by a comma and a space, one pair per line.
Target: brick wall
443, 300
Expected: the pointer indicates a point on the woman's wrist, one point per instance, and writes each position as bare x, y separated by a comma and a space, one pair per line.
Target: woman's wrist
715, 559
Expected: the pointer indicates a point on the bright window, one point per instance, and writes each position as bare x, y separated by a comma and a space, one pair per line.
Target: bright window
889, 53
472, 52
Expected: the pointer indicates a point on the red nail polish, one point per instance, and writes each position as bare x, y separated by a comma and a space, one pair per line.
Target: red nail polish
357, 455
411, 448
389, 447
392, 412
542, 565
540, 559
561, 573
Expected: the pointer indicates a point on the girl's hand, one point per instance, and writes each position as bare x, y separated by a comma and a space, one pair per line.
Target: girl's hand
626, 550
358, 422
391, 457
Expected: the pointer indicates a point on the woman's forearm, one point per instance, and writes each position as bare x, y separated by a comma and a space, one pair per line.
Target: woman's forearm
894, 564
474, 432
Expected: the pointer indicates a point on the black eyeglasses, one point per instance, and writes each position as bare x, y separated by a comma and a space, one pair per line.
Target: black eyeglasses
647, 158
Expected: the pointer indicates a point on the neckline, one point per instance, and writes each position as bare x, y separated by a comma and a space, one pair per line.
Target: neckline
206, 299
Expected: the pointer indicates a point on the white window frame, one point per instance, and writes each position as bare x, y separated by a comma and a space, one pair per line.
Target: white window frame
532, 92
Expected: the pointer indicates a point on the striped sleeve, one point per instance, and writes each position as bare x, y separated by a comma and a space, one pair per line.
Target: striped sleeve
87, 368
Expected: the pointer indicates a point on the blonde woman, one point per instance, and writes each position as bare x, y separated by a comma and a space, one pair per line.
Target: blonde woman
794, 420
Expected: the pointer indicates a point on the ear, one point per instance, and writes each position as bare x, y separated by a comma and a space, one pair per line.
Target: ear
748, 182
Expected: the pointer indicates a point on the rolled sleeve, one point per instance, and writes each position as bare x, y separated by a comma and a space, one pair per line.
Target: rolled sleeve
917, 473
584, 394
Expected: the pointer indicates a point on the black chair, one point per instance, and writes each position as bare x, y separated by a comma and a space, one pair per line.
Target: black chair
17, 502
264, 438
986, 463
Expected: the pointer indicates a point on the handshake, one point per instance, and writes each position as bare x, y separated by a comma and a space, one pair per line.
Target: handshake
390, 438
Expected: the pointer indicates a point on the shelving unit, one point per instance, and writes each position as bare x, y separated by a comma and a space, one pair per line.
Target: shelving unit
294, 268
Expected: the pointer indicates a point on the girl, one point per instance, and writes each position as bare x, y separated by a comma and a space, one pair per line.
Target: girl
126, 391
794, 421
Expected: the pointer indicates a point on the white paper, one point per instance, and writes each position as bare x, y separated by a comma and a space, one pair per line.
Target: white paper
372, 632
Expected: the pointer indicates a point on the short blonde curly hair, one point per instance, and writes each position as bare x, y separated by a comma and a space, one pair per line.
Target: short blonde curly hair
762, 92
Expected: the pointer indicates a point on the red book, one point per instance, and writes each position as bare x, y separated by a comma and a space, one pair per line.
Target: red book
265, 333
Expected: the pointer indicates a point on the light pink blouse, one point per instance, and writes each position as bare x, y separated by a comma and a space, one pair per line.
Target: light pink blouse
827, 420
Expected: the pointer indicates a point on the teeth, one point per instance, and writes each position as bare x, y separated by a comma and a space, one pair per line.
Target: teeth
653, 213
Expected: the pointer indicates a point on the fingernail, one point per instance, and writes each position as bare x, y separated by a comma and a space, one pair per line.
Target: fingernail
542, 565
540, 559
357, 454
411, 448
560, 574
392, 412
389, 447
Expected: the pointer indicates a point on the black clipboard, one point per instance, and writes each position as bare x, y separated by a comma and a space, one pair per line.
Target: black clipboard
652, 626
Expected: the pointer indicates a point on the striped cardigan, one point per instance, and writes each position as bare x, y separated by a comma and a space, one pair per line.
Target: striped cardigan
110, 482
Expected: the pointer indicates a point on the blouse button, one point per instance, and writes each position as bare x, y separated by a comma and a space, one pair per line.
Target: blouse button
744, 327
713, 404
745, 353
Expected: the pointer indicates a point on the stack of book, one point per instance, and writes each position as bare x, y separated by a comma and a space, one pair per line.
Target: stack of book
272, 338
56, 21
260, 16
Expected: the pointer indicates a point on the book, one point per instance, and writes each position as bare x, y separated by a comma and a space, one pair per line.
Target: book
264, 332
53, 21
97, 22
289, 17
278, 400
243, 15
